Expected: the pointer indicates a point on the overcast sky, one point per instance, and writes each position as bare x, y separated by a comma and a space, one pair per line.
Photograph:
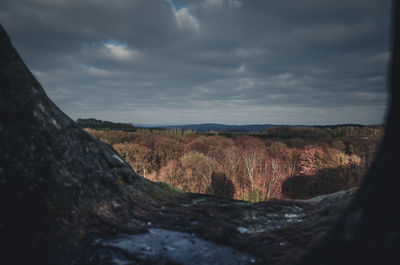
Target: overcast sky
198, 61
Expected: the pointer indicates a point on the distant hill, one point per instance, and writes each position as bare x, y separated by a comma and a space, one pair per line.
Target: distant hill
267, 130
99, 124
325, 131
221, 128
203, 127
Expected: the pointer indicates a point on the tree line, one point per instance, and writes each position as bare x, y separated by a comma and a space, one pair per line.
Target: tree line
247, 167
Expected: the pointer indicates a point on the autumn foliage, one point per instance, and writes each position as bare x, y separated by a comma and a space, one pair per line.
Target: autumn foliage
254, 168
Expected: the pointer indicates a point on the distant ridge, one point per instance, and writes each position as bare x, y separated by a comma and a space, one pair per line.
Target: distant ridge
264, 129
221, 128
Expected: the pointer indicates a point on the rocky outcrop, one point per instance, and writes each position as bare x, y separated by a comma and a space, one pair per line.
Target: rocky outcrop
66, 198
48, 164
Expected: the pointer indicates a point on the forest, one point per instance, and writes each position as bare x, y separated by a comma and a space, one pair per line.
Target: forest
280, 162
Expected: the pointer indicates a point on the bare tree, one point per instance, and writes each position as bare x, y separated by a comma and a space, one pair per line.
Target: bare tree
274, 181
232, 165
251, 159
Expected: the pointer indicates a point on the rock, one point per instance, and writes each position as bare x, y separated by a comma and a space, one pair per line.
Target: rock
48, 164
162, 246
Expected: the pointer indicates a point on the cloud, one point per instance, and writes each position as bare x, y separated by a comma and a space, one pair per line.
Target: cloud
91, 70
185, 20
230, 61
119, 51
379, 58
224, 3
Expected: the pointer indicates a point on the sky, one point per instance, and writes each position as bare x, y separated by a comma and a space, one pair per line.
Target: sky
208, 61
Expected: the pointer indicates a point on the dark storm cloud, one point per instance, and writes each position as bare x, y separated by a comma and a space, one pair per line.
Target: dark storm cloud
230, 61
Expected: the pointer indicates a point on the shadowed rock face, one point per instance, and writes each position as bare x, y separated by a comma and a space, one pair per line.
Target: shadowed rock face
48, 164
66, 198
47, 151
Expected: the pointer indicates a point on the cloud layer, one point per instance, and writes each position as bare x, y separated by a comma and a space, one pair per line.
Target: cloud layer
193, 61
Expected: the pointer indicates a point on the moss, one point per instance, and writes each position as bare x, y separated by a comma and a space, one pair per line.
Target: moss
196, 201
163, 190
